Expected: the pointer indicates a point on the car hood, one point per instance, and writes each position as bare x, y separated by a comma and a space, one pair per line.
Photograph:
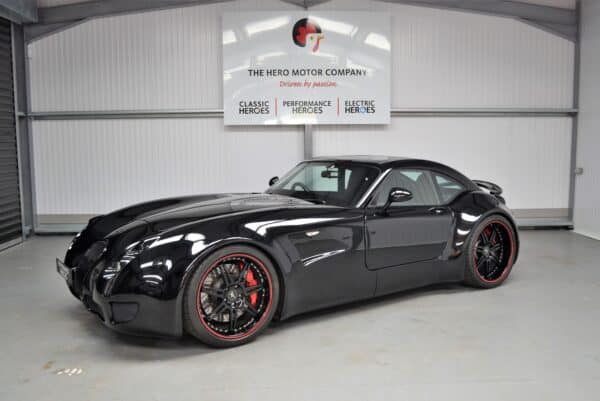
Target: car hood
220, 204
163, 214
126, 225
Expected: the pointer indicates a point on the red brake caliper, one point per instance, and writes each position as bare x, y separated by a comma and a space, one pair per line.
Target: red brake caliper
251, 282
488, 231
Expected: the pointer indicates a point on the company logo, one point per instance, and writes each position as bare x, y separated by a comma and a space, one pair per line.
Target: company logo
307, 31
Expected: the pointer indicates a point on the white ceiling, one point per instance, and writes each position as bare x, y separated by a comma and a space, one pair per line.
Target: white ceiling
553, 3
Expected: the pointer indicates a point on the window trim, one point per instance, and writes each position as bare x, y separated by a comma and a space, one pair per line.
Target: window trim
431, 181
363, 202
437, 187
366, 198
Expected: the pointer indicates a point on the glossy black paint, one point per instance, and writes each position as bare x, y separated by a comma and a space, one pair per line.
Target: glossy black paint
325, 255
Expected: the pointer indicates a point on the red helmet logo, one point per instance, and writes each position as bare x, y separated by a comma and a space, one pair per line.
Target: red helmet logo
302, 29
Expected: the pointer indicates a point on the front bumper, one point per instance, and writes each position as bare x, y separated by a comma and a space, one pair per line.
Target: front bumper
132, 313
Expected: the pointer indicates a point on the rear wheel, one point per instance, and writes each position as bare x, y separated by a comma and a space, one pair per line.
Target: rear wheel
231, 297
492, 251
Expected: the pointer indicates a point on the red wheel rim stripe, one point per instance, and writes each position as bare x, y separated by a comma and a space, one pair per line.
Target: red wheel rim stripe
510, 260
260, 322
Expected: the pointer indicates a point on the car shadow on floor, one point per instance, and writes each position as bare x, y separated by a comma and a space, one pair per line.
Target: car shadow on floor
126, 346
134, 347
353, 308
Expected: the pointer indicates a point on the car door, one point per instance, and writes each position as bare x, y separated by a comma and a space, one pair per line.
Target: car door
410, 232
324, 242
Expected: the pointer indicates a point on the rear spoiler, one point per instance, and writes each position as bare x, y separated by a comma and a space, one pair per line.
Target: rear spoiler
492, 188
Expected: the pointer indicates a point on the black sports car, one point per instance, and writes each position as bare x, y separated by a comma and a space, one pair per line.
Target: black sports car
333, 230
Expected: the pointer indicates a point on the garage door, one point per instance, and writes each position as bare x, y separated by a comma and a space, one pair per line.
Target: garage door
10, 204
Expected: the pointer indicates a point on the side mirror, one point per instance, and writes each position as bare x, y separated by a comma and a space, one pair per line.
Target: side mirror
273, 181
398, 195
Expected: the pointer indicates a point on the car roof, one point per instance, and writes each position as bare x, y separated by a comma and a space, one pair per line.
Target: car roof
385, 162
381, 161
372, 159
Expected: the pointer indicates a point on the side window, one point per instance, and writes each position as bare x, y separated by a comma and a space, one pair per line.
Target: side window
447, 187
419, 182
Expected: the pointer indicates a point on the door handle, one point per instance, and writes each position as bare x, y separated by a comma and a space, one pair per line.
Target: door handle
438, 210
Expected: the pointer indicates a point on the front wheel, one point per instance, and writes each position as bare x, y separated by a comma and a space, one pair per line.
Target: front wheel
491, 253
231, 297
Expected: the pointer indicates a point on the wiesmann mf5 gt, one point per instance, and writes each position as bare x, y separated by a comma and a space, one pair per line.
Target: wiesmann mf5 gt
333, 230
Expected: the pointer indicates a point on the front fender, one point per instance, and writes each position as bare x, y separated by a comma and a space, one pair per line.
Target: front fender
163, 270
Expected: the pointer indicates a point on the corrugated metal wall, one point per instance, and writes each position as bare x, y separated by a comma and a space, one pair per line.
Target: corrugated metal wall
10, 202
162, 60
452, 59
105, 164
171, 60
528, 157
443, 58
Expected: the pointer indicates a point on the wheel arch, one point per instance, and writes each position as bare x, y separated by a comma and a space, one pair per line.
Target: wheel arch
277, 265
511, 221
513, 225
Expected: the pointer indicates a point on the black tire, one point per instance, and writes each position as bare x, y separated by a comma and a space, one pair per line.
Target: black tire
200, 297
489, 268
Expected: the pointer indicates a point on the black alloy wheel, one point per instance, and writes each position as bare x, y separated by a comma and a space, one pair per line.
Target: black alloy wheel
492, 253
233, 297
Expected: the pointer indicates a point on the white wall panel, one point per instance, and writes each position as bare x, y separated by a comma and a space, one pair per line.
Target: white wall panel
171, 59
444, 58
528, 157
90, 167
587, 186
167, 59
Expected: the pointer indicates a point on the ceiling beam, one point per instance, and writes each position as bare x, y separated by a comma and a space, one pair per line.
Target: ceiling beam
19, 11
305, 3
505, 8
102, 8
568, 32
37, 31
55, 19
560, 21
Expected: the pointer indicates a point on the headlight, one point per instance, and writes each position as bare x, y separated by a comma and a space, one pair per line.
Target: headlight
74, 239
131, 252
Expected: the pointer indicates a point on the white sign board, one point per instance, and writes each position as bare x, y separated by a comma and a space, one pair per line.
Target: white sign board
306, 68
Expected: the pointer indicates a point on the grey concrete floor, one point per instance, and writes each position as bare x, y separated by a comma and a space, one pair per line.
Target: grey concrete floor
535, 338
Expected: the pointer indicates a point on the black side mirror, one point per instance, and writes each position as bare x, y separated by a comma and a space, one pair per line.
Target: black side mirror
398, 195
273, 181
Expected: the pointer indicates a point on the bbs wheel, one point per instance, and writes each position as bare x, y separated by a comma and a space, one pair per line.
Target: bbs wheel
492, 251
231, 297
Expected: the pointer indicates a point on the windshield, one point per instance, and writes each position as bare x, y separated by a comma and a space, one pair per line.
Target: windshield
340, 184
